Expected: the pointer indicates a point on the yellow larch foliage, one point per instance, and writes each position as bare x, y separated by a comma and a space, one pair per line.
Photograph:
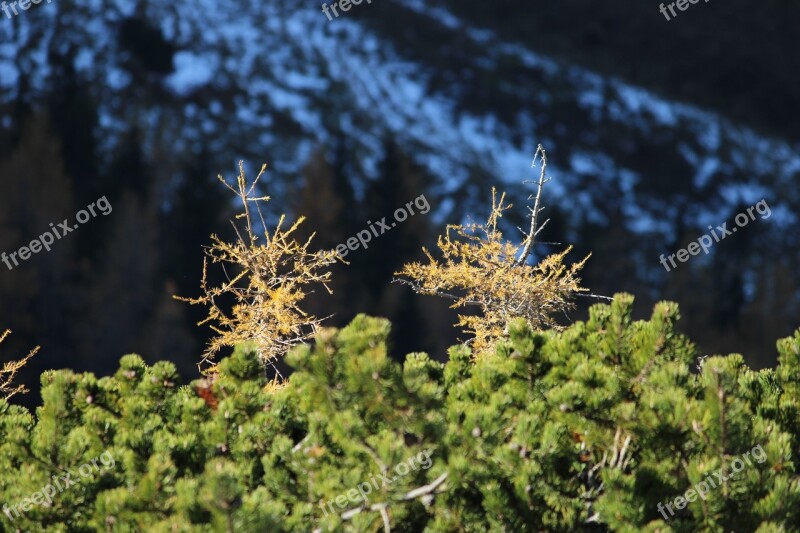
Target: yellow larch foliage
268, 276
480, 269
9, 371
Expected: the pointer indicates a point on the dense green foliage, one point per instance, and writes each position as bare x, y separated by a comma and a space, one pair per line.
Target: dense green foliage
585, 429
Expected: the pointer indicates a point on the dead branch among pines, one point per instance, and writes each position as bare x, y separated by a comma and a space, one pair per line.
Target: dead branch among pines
268, 276
481, 269
9, 372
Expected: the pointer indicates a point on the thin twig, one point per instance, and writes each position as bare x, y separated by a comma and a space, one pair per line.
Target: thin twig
528, 244
430, 488
387, 527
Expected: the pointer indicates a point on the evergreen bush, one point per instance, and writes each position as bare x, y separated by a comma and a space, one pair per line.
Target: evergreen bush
585, 429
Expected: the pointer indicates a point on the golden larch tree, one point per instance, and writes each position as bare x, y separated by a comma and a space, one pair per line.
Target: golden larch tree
479, 268
268, 275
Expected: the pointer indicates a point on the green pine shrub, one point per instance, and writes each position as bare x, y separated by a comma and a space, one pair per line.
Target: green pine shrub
586, 429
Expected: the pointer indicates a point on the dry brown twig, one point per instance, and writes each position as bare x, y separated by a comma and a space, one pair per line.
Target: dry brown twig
480, 269
270, 275
9, 372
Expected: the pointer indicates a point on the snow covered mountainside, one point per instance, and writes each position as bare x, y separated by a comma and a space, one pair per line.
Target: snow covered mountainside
259, 60
262, 81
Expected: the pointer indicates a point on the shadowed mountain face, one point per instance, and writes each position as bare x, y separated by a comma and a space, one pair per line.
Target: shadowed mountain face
147, 101
732, 57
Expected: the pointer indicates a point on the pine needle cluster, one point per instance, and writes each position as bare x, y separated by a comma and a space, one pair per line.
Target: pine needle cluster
479, 268
267, 276
9, 371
